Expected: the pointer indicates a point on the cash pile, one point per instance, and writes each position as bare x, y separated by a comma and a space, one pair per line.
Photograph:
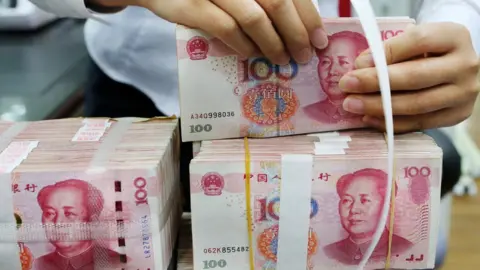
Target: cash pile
225, 96
346, 186
89, 193
185, 251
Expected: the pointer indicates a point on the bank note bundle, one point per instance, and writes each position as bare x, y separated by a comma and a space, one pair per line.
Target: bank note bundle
89, 194
314, 202
225, 96
185, 254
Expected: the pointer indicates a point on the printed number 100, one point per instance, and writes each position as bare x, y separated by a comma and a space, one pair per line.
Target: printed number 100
200, 128
214, 264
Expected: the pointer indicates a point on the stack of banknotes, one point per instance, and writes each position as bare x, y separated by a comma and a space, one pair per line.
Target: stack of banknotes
225, 96
348, 189
89, 193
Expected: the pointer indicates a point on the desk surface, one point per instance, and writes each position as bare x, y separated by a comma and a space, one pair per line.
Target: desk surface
40, 71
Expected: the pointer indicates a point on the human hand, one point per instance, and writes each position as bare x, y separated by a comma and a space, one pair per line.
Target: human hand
433, 77
276, 29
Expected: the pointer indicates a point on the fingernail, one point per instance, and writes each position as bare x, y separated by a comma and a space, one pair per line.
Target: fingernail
319, 38
348, 83
364, 61
373, 121
304, 56
353, 105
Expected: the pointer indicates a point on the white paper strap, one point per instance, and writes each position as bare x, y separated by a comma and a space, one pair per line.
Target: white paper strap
372, 33
294, 222
325, 134
7, 136
109, 144
323, 149
336, 139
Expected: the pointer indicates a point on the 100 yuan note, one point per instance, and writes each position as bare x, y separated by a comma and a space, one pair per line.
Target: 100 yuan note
224, 96
89, 221
347, 199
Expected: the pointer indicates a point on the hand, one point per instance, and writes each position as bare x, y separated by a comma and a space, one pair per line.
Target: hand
433, 77
274, 28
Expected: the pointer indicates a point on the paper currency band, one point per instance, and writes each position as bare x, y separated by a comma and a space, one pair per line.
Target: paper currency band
369, 24
7, 136
392, 213
100, 158
294, 223
248, 204
109, 144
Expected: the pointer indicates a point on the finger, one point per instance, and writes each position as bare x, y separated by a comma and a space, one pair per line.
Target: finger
290, 27
443, 118
218, 23
410, 75
437, 38
312, 22
255, 23
408, 103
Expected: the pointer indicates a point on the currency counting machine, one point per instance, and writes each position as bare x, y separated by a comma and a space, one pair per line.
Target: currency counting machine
21, 15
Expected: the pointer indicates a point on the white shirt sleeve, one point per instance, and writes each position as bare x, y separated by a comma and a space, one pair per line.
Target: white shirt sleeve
464, 12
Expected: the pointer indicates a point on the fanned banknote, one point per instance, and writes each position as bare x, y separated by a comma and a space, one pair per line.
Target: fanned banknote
96, 194
348, 185
224, 96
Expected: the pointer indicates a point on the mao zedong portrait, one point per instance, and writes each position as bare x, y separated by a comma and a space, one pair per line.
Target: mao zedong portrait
361, 202
72, 202
333, 62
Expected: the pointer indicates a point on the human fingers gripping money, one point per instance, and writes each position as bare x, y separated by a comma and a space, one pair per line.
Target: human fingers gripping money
432, 75
278, 29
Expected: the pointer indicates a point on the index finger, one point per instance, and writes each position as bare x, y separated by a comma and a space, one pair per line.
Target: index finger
416, 41
310, 17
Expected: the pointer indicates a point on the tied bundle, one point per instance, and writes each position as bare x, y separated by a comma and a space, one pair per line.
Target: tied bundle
94, 193
315, 201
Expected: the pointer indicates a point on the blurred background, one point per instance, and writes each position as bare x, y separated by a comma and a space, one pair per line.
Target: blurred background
43, 70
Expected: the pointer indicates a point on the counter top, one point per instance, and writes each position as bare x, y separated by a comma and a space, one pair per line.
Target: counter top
41, 72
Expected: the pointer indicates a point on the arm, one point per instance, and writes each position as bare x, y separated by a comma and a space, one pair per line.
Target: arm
464, 12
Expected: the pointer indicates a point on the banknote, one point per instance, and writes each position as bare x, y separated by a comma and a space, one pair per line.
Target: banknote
348, 191
225, 96
96, 194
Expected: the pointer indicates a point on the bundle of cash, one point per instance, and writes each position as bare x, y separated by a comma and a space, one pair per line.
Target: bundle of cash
185, 254
342, 175
225, 96
89, 193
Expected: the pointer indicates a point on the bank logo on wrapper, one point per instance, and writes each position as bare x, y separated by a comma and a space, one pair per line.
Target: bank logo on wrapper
212, 184
197, 48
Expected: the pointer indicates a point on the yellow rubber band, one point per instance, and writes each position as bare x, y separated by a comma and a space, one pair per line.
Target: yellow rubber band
392, 216
248, 203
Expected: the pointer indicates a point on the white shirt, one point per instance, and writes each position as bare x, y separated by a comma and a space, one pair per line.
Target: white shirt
138, 48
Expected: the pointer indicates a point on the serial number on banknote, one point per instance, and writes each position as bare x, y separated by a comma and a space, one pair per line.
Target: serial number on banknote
146, 237
212, 115
220, 250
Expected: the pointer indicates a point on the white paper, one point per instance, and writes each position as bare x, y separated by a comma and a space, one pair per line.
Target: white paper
372, 33
294, 222
336, 139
